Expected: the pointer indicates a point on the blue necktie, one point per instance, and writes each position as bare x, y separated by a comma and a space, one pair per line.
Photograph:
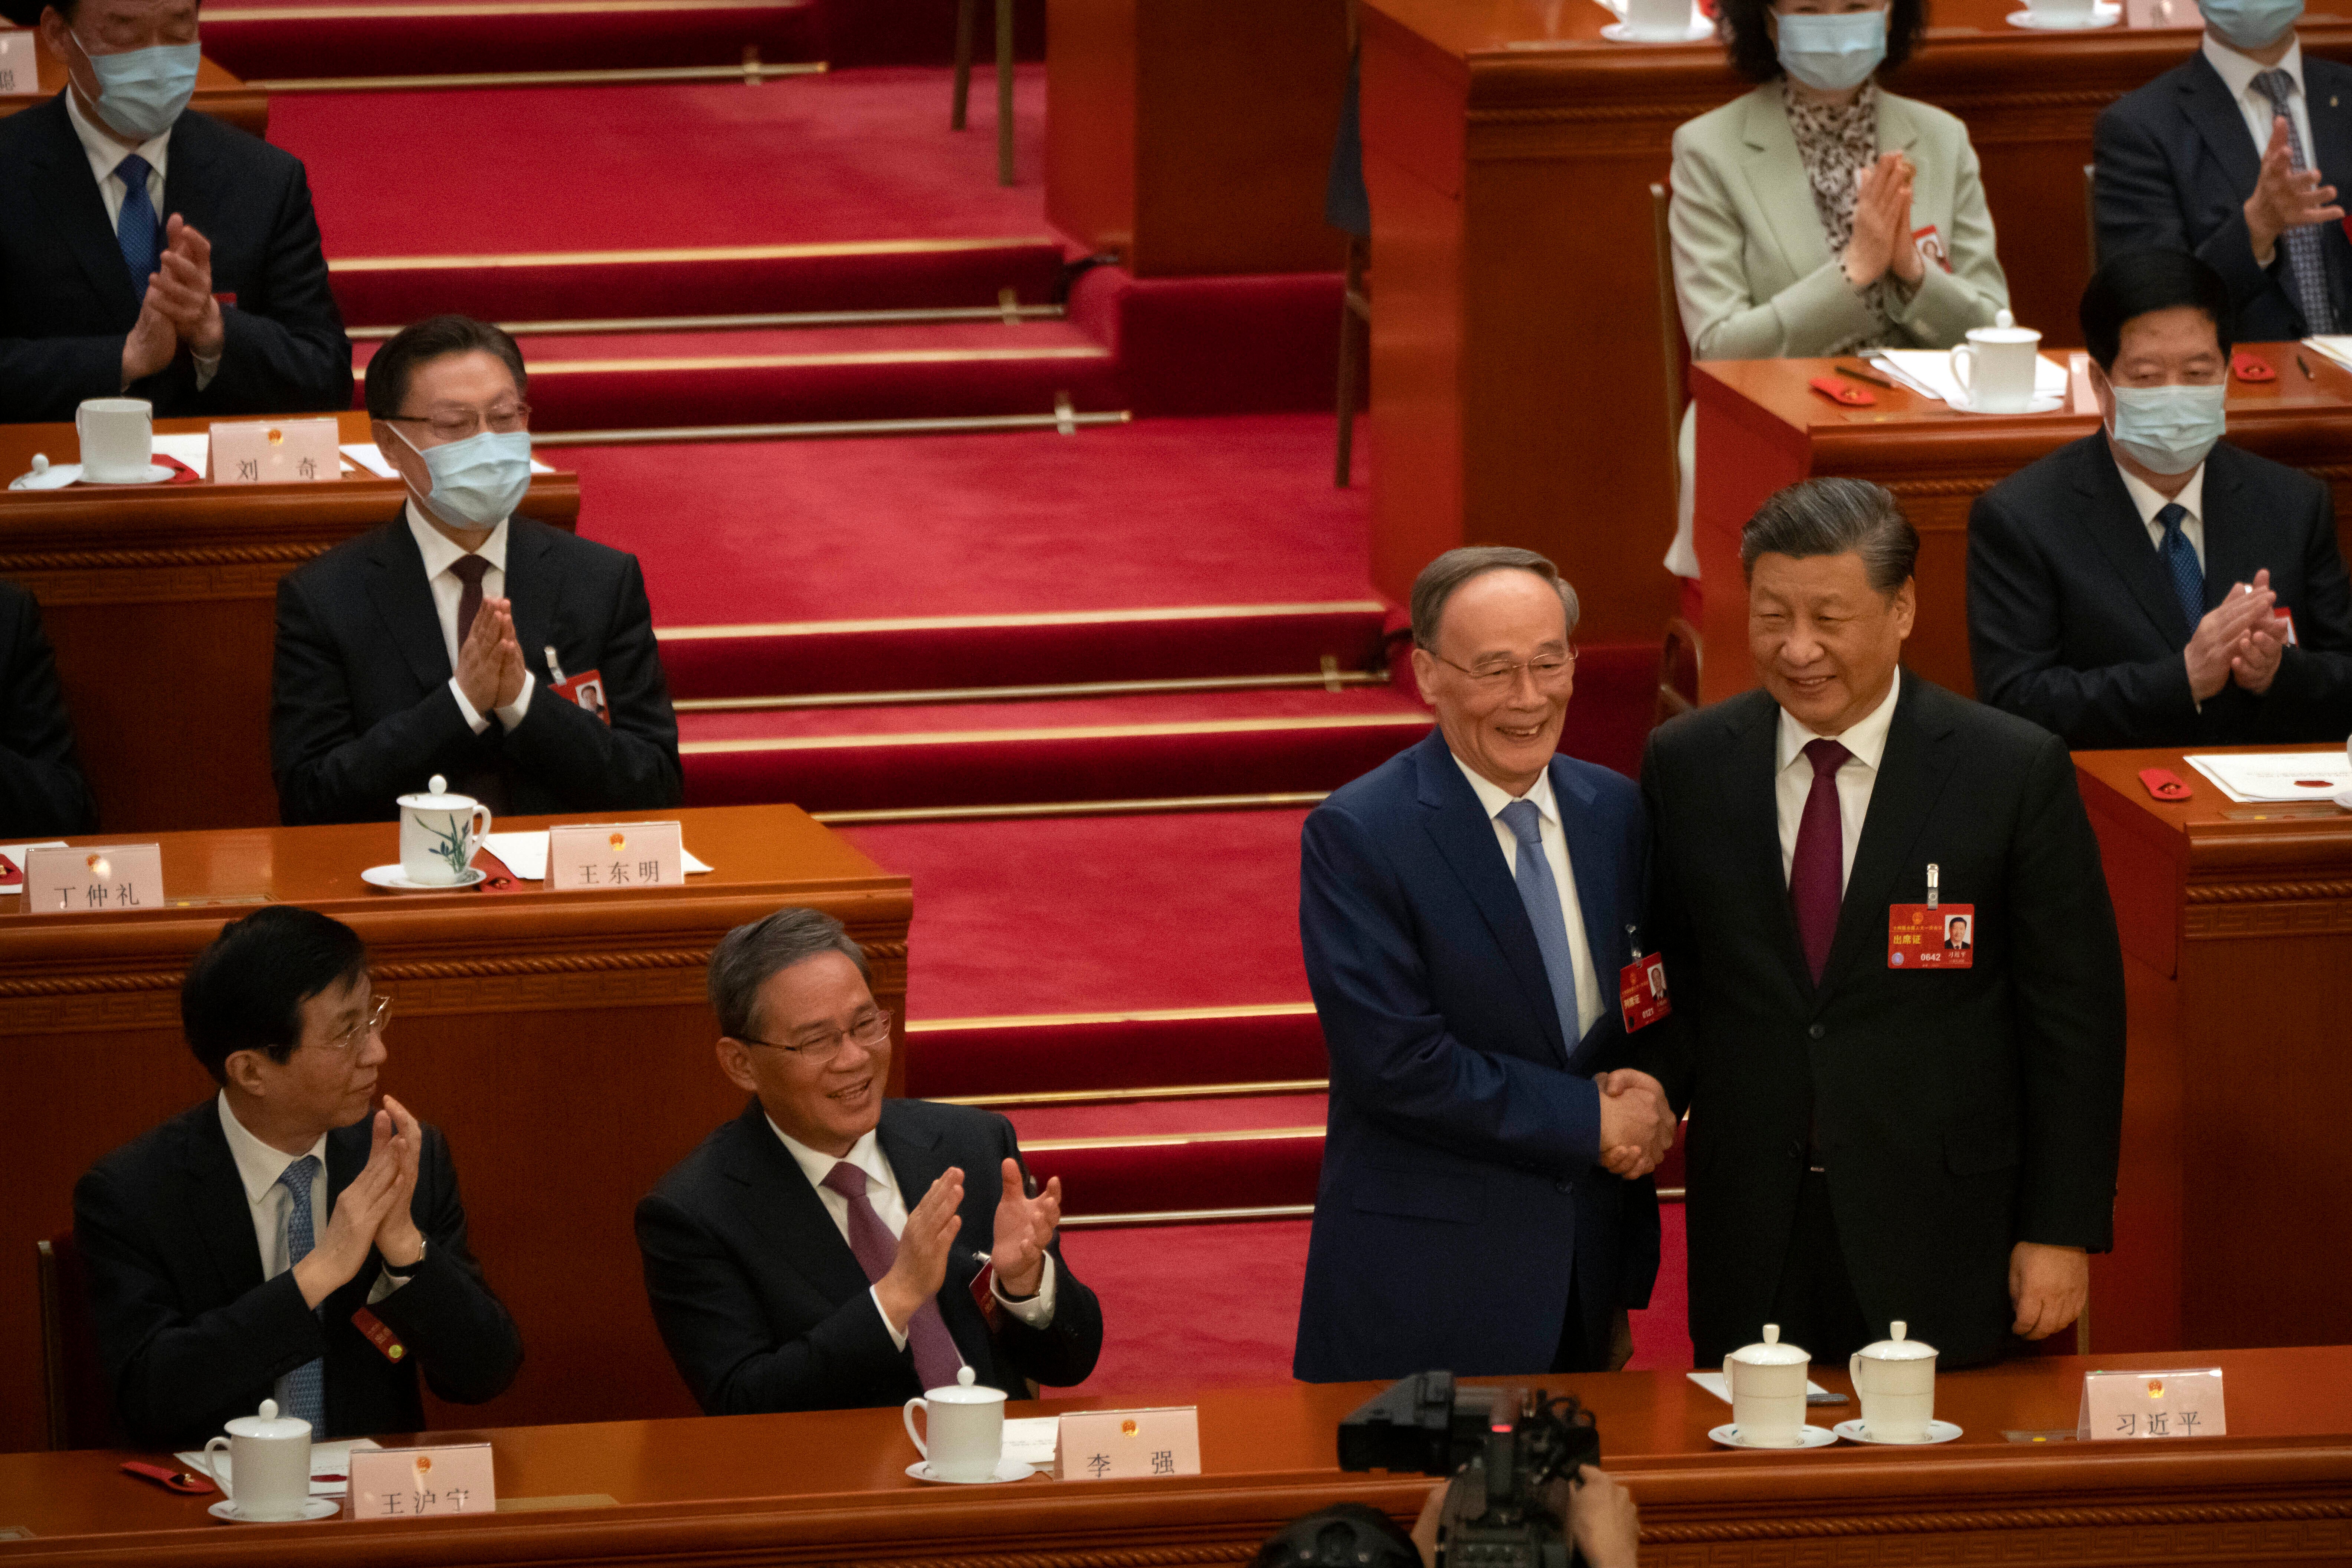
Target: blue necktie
2180, 559
2306, 270
1540, 894
137, 232
306, 1385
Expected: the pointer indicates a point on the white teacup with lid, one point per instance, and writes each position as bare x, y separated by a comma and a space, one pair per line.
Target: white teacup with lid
439, 833
269, 1463
967, 1429
1768, 1391
1895, 1380
1996, 366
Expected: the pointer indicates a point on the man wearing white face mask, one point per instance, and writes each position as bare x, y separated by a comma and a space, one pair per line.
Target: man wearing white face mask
2153, 584
462, 638
149, 249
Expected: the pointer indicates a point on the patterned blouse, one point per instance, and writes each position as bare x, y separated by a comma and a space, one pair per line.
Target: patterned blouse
1838, 141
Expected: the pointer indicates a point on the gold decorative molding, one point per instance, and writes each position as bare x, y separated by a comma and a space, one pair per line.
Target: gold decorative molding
121, 560
2263, 892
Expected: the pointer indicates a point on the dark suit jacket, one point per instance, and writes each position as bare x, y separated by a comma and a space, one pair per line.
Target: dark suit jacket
2073, 622
2175, 165
764, 1307
191, 1332
42, 791
66, 301
360, 707
1459, 1194
1958, 1111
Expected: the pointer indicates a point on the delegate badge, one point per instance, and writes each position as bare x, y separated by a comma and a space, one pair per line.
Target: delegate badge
1931, 936
1642, 988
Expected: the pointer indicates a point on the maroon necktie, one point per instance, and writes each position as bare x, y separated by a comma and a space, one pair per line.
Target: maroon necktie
1817, 871
469, 570
936, 1357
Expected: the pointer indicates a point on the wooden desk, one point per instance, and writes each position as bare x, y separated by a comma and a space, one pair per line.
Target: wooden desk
2237, 931
162, 603
1518, 385
1760, 428
218, 94
560, 1039
831, 1488
1193, 136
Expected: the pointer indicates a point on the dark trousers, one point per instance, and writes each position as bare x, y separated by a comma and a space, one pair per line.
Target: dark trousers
1574, 1354
1815, 1305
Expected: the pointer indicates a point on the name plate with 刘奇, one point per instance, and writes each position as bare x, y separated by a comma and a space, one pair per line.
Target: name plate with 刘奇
2132, 1406
421, 1483
19, 72
1128, 1445
605, 855
275, 452
93, 879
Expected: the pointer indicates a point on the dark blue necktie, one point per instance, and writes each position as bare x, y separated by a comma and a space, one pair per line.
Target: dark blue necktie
306, 1385
1540, 893
137, 232
2180, 559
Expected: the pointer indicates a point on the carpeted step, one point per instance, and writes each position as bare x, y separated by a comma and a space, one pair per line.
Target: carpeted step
1222, 744
301, 38
1038, 1058
1184, 1158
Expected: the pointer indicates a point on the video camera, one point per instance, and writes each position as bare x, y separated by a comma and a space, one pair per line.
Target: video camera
1502, 1447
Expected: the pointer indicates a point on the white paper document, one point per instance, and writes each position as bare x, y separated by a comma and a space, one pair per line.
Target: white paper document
1928, 372
1030, 1439
368, 456
2338, 349
326, 1459
196, 449
2253, 776
1713, 1384
526, 855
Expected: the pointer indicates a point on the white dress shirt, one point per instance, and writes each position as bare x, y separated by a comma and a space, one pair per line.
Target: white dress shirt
1793, 778
1492, 799
105, 155
2238, 73
890, 1209
2191, 500
439, 550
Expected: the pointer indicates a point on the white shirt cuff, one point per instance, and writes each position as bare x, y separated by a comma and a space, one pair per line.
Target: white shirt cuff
1038, 1310
386, 1281
511, 714
897, 1335
473, 715
207, 367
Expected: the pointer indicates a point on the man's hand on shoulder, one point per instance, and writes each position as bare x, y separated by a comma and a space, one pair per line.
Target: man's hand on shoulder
2048, 1286
921, 1266
1637, 1124
1024, 1229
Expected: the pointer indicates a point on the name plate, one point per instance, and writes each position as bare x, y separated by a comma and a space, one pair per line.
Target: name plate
1125, 1445
18, 71
2124, 1406
605, 855
275, 452
421, 1483
93, 879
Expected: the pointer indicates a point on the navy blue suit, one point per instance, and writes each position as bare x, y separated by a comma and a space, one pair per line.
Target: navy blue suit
1460, 1197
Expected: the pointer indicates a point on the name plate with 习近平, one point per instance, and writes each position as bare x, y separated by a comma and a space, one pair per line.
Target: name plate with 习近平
19, 72
421, 1483
2128, 1406
275, 452
1128, 1445
607, 855
100, 879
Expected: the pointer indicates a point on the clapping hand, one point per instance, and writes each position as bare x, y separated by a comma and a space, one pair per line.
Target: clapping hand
361, 1212
921, 1266
2284, 196
1024, 1229
184, 287
1882, 225
2256, 663
2224, 639
1637, 1124
396, 1236
489, 661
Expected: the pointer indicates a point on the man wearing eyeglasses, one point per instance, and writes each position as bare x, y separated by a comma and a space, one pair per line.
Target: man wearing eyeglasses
440, 642
1466, 908
829, 1248
276, 1241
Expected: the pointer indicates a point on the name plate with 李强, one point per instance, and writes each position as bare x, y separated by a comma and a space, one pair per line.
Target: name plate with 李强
607, 855
2128, 1406
1128, 1445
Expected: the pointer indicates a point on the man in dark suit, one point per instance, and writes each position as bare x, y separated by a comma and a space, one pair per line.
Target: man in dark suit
265, 1243
148, 250
424, 648
1466, 911
42, 791
1874, 1136
2136, 587
2234, 156
821, 1251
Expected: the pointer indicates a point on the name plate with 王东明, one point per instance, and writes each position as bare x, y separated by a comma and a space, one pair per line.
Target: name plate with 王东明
605, 855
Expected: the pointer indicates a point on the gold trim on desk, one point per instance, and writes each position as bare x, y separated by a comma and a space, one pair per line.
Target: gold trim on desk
1068, 808
750, 73
1068, 423
1072, 733
1127, 1015
546, 368
1032, 618
1077, 689
672, 253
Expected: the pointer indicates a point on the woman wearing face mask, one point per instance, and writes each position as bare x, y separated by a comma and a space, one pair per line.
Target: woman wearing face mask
1819, 214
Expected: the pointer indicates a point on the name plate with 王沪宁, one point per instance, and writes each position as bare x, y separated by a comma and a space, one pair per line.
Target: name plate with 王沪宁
19, 71
275, 452
421, 1483
2130, 1406
93, 879
603, 855
1128, 1445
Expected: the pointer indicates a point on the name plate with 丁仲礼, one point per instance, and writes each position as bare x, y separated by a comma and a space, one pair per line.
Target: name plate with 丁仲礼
606, 854
2129, 1406
19, 71
93, 879
1128, 1445
421, 1483
275, 452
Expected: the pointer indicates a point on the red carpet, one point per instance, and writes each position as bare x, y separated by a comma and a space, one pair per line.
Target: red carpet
950, 1058
268, 38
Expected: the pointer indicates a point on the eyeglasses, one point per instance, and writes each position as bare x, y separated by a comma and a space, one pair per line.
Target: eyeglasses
870, 1032
1549, 674
457, 423
371, 1025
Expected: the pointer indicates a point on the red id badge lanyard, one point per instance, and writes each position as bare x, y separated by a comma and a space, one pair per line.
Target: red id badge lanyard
1933, 935
1642, 987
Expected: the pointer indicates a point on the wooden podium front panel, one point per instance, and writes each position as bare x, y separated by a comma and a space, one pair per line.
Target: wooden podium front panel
1518, 383
1761, 428
218, 94
561, 1040
161, 601
2237, 928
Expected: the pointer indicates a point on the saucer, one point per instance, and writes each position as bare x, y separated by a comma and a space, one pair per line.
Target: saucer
2049, 405
1700, 28
1008, 1468
1812, 1438
1937, 1432
156, 473
389, 876
2343, 797
2101, 17
316, 1507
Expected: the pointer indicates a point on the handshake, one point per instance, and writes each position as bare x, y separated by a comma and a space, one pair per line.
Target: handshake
1637, 1125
